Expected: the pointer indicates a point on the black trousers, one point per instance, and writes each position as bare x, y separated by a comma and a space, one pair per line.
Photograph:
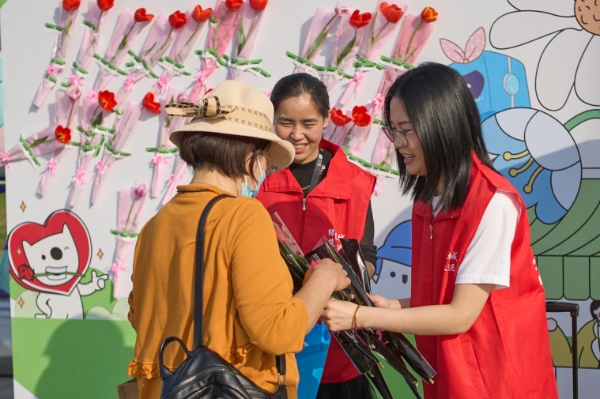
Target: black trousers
356, 388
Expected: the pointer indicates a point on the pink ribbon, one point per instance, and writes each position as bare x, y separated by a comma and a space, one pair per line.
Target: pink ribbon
79, 176
5, 159
377, 102
51, 166
101, 167
353, 87
201, 77
76, 79
159, 159
170, 180
92, 95
129, 82
162, 82
377, 188
115, 269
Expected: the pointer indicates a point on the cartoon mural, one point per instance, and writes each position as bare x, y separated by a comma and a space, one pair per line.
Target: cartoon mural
392, 271
51, 259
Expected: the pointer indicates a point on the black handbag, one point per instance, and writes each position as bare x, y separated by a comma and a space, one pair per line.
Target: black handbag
204, 373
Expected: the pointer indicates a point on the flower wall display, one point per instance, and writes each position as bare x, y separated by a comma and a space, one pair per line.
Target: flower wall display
87, 82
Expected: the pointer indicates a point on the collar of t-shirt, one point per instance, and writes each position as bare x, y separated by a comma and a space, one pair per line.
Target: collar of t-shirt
303, 171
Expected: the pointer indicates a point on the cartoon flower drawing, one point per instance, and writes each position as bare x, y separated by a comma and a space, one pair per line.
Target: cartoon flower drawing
544, 159
568, 60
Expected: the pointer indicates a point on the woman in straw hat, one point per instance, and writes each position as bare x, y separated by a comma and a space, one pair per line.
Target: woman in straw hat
249, 310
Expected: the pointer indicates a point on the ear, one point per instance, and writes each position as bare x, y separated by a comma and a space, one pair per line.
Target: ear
26, 247
66, 230
325, 122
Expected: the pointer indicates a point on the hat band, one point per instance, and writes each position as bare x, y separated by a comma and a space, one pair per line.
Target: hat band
251, 118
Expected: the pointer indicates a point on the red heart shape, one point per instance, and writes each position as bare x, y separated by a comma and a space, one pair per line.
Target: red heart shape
53, 265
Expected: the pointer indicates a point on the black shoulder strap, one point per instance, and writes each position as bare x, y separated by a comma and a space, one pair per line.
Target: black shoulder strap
199, 285
199, 274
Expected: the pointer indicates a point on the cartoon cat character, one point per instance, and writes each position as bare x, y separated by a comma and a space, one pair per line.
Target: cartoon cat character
51, 259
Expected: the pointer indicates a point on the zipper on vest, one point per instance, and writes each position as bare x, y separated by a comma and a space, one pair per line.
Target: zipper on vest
303, 204
431, 232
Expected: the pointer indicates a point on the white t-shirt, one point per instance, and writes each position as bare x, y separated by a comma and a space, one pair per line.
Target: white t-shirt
487, 260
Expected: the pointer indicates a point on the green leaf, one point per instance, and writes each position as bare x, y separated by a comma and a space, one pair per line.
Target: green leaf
346, 51
38, 142
318, 41
97, 120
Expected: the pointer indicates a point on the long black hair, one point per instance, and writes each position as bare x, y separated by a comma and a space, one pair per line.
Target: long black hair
299, 84
446, 120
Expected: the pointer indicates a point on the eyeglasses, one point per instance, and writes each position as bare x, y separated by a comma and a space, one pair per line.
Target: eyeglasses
396, 136
271, 167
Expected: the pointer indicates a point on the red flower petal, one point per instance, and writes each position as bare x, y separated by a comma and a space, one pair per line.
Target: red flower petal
70, 5
106, 99
106, 5
141, 16
234, 5
149, 103
200, 15
258, 5
177, 19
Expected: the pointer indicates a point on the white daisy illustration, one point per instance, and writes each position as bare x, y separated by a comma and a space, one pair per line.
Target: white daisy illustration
570, 59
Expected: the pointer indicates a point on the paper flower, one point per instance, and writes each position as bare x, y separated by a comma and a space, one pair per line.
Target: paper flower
339, 120
569, 60
258, 6
140, 16
357, 21
149, 104
69, 6
62, 134
429, 15
391, 12
360, 116
199, 15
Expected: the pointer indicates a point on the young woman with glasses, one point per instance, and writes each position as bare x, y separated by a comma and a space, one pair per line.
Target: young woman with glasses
477, 304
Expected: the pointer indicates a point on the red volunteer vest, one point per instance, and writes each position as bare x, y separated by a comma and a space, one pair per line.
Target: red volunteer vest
506, 353
336, 207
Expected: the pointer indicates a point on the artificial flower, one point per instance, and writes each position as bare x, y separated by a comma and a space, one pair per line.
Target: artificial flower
141, 16
234, 5
360, 116
25, 272
106, 100
429, 14
358, 20
140, 191
62, 134
74, 92
258, 5
338, 117
199, 15
105, 5
391, 12
341, 10
70, 5
149, 103
177, 20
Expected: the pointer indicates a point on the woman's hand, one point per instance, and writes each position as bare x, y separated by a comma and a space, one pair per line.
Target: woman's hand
339, 315
382, 302
328, 269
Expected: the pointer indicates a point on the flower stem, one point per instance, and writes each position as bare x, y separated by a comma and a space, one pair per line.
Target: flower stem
412, 37
381, 30
322, 35
70, 113
190, 39
332, 134
216, 32
129, 215
123, 43
250, 30
165, 43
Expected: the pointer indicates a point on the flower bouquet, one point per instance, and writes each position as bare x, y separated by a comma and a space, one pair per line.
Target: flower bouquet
385, 18
250, 18
130, 24
131, 202
360, 345
414, 34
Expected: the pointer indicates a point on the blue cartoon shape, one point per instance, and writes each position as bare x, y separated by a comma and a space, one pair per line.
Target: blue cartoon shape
392, 269
538, 156
497, 81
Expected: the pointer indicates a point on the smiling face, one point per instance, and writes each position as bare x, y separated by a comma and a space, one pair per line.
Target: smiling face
298, 120
54, 259
413, 152
588, 15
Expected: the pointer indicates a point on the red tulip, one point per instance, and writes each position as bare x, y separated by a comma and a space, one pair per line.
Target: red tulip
105, 5
391, 12
200, 15
360, 116
149, 103
234, 5
429, 14
177, 19
106, 99
141, 16
338, 118
70, 5
258, 5
62, 134
358, 20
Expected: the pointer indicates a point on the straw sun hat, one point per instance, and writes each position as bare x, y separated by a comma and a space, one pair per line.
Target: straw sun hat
236, 109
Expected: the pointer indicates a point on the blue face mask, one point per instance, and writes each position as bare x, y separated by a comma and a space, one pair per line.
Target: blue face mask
251, 192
